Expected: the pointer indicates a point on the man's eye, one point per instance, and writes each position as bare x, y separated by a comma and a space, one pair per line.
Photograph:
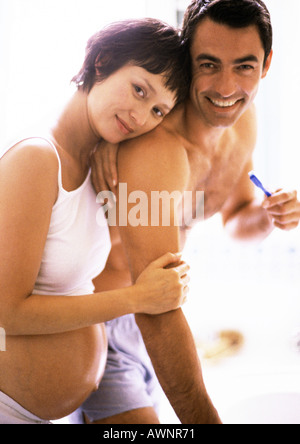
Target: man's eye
246, 67
207, 66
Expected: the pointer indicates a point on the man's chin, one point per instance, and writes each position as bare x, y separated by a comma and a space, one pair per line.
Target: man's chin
224, 120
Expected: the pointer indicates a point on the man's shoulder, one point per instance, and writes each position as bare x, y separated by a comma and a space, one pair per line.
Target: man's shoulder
158, 158
161, 140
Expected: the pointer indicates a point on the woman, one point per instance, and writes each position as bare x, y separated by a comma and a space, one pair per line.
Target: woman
50, 243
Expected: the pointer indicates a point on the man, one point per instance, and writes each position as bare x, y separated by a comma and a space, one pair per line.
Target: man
205, 144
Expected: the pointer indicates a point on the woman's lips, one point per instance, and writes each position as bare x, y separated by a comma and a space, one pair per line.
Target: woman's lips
126, 129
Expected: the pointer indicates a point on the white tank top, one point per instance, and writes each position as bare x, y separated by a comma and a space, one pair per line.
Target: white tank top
78, 241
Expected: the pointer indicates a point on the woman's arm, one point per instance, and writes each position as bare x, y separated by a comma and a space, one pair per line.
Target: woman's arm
116, 273
44, 315
28, 191
157, 290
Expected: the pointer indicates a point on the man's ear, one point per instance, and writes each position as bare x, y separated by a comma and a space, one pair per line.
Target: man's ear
267, 65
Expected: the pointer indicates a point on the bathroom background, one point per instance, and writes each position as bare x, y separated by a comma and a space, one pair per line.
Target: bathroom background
244, 305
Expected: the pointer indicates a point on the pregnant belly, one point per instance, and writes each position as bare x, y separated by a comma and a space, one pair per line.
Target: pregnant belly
51, 376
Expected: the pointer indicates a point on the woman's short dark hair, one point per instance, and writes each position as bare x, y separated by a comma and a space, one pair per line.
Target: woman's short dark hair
147, 43
233, 13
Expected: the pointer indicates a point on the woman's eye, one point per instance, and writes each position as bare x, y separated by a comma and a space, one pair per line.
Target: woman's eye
158, 112
139, 91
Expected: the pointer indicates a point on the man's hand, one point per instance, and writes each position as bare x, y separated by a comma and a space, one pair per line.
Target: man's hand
104, 167
284, 209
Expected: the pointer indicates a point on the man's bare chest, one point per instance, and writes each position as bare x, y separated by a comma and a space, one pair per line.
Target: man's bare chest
214, 177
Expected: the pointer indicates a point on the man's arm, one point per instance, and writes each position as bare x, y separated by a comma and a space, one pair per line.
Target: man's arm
248, 219
146, 165
243, 215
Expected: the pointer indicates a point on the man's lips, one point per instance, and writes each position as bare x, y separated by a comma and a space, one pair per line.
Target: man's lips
126, 129
224, 105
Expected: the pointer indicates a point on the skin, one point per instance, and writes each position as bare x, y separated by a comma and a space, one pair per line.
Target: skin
140, 102
207, 144
56, 346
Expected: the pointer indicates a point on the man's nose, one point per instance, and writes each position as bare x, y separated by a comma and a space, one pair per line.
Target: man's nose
225, 84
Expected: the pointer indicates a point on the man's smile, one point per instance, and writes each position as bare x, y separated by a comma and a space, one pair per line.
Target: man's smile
223, 104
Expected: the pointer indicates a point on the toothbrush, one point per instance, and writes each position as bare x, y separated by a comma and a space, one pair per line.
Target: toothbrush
258, 183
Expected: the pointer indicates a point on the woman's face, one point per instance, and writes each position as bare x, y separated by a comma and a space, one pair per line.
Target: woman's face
127, 104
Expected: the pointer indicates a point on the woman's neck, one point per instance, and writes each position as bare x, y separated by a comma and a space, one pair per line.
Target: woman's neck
72, 131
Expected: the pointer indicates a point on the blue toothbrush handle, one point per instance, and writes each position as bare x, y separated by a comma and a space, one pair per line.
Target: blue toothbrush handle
258, 183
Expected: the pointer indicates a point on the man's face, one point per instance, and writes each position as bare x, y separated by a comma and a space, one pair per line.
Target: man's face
227, 67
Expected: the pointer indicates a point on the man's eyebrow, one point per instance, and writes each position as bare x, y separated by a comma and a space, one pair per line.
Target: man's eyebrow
211, 58
248, 58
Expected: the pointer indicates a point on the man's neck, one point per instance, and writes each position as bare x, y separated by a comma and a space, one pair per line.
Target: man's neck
200, 134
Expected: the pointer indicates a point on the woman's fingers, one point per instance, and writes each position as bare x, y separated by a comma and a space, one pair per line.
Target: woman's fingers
182, 269
98, 179
185, 279
104, 162
165, 260
113, 162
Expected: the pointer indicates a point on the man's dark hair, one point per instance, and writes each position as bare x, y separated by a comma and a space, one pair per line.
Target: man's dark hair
233, 13
147, 43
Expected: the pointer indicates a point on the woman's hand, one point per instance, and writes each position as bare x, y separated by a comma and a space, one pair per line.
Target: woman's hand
160, 290
104, 167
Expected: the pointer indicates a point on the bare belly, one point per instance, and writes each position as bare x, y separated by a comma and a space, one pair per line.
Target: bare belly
51, 376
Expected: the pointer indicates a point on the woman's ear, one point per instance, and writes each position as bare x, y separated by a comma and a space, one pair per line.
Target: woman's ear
102, 63
98, 65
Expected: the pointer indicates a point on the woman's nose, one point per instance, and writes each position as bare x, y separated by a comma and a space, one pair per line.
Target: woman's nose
140, 115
